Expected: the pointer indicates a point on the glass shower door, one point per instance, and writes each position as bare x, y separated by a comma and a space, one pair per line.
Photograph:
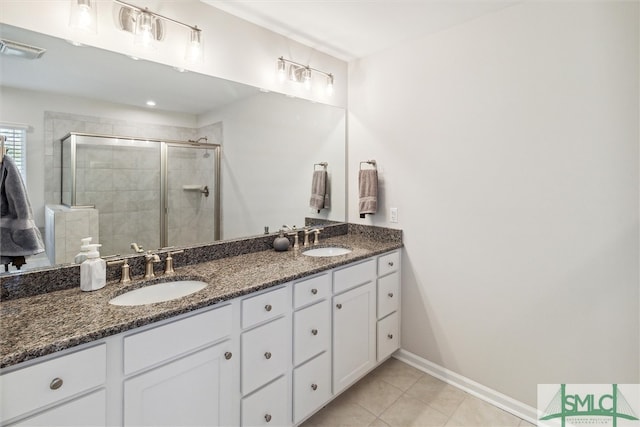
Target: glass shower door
192, 206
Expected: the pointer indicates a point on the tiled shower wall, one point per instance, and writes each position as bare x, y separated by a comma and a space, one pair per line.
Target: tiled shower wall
125, 188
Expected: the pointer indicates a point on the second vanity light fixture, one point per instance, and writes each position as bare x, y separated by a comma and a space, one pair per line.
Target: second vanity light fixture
300, 73
146, 26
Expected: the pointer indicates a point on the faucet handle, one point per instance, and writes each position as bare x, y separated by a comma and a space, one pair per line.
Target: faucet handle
168, 266
125, 275
316, 240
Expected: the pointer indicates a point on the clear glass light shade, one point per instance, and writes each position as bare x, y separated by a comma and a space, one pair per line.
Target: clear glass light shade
83, 16
282, 70
330, 84
195, 47
306, 78
144, 31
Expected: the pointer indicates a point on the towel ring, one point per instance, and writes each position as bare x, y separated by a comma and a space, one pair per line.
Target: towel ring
369, 162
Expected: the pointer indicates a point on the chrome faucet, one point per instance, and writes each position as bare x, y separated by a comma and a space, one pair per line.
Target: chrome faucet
150, 259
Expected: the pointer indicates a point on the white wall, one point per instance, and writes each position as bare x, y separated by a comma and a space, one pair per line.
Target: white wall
234, 49
510, 146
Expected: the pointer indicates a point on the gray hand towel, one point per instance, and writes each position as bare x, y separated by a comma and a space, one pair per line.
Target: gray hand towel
318, 190
19, 235
368, 185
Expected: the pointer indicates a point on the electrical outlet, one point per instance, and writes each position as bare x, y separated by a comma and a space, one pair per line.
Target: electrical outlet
394, 214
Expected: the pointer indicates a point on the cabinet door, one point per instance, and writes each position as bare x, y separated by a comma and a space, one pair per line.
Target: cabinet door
354, 335
311, 331
192, 391
265, 354
388, 336
88, 410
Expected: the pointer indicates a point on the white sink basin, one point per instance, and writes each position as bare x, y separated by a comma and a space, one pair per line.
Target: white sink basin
158, 293
327, 251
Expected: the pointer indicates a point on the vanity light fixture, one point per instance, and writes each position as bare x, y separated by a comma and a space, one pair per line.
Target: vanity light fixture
11, 48
148, 29
83, 15
301, 74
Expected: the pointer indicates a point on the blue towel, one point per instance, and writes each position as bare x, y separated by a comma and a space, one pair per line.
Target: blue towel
19, 235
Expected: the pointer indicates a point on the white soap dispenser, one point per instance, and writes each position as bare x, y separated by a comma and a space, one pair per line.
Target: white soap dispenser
84, 250
93, 271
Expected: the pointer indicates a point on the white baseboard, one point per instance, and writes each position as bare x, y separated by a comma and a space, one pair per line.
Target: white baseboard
480, 391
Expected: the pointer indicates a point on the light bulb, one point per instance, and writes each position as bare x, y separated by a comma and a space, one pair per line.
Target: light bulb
83, 15
330, 84
282, 70
144, 30
306, 77
195, 47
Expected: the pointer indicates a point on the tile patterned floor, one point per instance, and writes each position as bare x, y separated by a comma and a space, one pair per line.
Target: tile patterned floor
398, 395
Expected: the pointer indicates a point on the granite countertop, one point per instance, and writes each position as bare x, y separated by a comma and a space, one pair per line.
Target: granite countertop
43, 324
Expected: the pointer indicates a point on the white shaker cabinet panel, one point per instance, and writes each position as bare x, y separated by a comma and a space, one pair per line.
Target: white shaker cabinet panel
388, 336
311, 290
311, 386
89, 410
311, 331
268, 406
192, 391
265, 354
388, 294
354, 275
354, 335
388, 263
51, 380
265, 306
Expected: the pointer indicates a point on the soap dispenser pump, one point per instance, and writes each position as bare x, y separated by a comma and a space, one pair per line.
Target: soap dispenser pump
84, 250
93, 271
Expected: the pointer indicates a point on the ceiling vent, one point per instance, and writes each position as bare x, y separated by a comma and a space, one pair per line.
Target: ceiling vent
11, 48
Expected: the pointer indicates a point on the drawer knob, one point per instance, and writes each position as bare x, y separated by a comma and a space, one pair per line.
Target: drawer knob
338, 306
314, 332
267, 418
314, 387
390, 294
228, 355
267, 355
56, 383
314, 291
390, 263
390, 336
268, 307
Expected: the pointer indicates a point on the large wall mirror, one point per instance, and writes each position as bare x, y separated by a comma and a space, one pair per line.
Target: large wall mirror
269, 142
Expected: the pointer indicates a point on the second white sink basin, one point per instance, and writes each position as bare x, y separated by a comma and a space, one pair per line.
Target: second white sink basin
158, 293
327, 251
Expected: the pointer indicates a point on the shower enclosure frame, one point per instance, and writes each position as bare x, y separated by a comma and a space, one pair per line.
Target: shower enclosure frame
164, 145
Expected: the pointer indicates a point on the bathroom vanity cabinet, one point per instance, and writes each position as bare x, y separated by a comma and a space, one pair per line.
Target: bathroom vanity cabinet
273, 357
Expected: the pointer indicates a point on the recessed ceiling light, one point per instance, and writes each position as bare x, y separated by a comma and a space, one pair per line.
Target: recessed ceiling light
135, 58
74, 43
151, 103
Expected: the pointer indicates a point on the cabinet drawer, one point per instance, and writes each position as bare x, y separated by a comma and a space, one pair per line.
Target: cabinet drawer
311, 386
32, 387
388, 336
311, 290
388, 263
260, 308
264, 354
353, 276
388, 294
311, 331
156, 345
89, 410
267, 407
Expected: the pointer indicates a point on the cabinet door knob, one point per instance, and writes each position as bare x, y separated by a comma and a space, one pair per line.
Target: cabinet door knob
228, 355
338, 306
390, 263
267, 418
268, 307
390, 294
267, 355
56, 383
314, 291
390, 336
314, 387
314, 332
